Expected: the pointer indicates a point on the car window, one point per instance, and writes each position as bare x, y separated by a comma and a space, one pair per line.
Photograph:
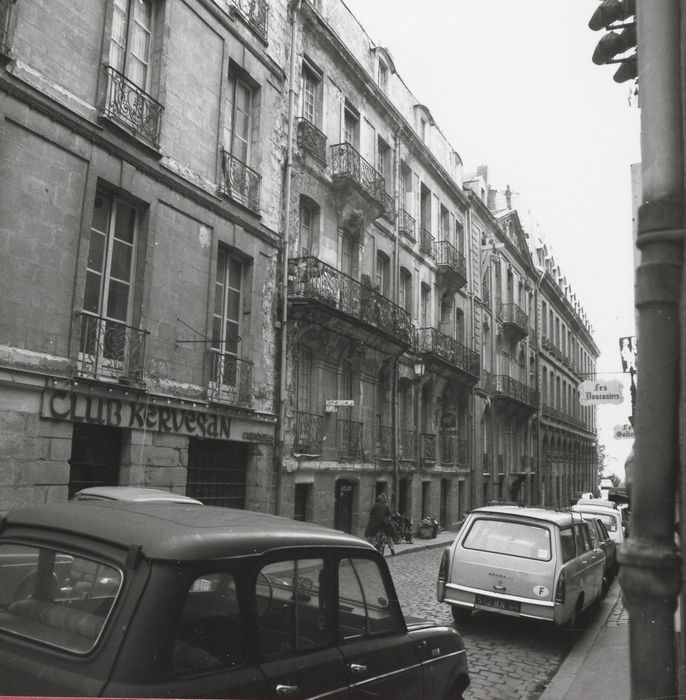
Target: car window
55, 597
608, 519
507, 537
567, 544
583, 539
290, 598
602, 530
364, 605
210, 631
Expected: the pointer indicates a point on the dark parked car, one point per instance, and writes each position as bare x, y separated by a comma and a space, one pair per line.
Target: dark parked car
166, 599
601, 539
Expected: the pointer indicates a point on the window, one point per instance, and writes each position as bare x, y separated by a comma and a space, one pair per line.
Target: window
209, 632
384, 164
459, 236
364, 605
291, 608
382, 76
382, 273
239, 110
506, 537
425, 306
132, 39
309, 226
405, 295
311, 95
567, 546
302, 509
351, 126
304, 380
444, 225
422, 129
95, 457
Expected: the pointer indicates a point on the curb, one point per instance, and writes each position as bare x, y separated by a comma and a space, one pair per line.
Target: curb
563, 679
422, 544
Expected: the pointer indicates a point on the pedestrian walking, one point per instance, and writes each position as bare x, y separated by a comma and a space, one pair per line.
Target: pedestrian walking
380, 520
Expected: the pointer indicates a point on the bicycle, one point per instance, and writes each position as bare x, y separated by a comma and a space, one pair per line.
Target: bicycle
380, 540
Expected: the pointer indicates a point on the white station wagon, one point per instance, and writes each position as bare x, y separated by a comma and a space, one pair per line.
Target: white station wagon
525, 562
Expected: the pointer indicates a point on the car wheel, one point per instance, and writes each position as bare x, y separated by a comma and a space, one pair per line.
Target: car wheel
461, 614
455, 691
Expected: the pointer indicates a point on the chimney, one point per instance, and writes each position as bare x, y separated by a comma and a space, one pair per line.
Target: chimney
491, 198
508, 197
483, 171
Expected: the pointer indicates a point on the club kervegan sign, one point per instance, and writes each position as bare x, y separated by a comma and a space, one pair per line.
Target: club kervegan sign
599, 391
136, 415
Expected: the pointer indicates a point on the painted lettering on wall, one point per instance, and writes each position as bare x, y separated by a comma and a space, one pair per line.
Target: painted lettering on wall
138, 415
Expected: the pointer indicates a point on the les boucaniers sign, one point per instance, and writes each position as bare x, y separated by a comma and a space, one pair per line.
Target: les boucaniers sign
137, 415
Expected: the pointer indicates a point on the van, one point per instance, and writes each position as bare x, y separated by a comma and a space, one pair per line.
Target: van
524, 562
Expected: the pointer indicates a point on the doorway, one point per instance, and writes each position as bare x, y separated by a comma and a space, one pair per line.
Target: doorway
343, 507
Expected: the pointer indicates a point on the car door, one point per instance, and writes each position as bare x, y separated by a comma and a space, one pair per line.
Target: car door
591, 563
381, 660
294, 629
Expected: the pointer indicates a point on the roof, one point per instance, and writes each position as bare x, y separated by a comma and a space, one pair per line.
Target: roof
132, 493
174, 531
557, 517
597, 509
598, 502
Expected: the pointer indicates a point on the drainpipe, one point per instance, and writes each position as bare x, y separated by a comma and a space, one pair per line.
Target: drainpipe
396, 362
281, 428
650, 567
474, 462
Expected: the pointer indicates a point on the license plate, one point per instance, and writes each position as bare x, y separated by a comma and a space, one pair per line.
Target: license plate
484, 601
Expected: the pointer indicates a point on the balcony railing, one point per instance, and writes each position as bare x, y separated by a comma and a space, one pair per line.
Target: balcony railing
388, 206
109, 349
407, 444
427, 243
451, 262
127, 104
406, 225
240, 182
454, 452
308, 433
310, 278
513, 315
349, 439
255, 13
230, 379
312, 140
433, 343
486, 381
508, 387
346, 162
428, 448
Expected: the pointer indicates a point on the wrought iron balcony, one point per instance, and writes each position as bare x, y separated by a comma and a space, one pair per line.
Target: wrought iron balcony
230, 379
318, 291
132, 107
110, 350
357, 179
508, 388
255, 13
349, 439
427, 243
452, 266
433, 344
514, 319
406, 225
312, 140
388, 206
407, 444
486, 382
240, 182
308, 433
427, 444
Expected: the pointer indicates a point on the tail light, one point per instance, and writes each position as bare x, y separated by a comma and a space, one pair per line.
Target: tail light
561, 591
444, 567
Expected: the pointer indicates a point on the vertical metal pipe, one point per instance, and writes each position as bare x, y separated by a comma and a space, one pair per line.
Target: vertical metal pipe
649, 574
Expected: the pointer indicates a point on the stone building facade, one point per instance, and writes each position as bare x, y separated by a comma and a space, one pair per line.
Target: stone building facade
239, 261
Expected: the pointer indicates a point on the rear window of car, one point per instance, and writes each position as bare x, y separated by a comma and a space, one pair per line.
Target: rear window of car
55, 597
508, 537
609, 520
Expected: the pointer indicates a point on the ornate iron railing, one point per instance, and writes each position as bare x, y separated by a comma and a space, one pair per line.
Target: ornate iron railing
240, 182
388, 206
407, 444
486, 381
349, 439
110, 349
127, 104
450, 258
5, 9
432, 342
310, 278
347, 162
230, 379
427, 443
312, 140
308, 433
511, 388
513, 315
406, 225
255, 13
427, 243
384, 442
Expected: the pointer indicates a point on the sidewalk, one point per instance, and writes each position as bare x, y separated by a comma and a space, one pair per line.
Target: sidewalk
598, 665
442, 539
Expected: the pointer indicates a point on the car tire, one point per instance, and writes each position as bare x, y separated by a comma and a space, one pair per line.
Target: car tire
461, 614
455, 691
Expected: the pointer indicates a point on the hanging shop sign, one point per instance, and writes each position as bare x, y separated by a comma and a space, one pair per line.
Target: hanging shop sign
116, 412
625, 431
593, 392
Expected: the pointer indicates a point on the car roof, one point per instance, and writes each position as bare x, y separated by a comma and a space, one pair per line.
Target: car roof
601, 502
596, 509
132, 493
174, 531
557, 517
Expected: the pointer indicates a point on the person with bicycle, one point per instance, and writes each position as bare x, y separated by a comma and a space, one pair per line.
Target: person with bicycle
380, 521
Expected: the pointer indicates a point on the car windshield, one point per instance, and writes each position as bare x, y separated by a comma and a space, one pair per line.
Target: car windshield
507, 537
55, 597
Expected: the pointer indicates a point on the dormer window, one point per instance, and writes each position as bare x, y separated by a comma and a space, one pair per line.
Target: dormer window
382, 76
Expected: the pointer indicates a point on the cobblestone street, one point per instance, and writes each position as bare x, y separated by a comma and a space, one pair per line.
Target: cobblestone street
509, 659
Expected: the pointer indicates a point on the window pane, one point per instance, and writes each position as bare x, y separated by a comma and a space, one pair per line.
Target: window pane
210, 633
235, 273
91, 296
96, 251
101, 213
567, 547
121, 261
233, 305
124, 225
118, 301
504, 537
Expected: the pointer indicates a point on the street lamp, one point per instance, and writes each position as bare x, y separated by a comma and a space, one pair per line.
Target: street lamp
419, 368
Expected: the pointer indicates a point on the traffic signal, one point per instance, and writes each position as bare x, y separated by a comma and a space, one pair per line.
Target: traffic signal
614, 46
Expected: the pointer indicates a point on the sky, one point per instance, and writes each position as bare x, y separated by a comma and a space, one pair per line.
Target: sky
512, 86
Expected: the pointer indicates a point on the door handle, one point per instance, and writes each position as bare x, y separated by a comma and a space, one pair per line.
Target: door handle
499, 588
357, 668
285, 690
